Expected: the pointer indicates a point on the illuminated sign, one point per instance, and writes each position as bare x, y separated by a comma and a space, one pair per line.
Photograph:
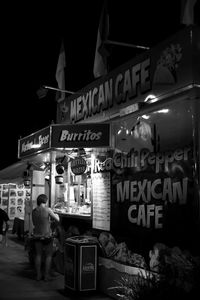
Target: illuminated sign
65, 136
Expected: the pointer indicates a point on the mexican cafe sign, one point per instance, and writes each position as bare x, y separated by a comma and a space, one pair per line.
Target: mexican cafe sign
159, 71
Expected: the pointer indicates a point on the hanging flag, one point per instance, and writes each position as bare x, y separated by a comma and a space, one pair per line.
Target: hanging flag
101, 53
187, 16
60, 72
41, 92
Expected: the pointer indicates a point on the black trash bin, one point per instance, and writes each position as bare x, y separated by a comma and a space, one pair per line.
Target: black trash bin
80, 264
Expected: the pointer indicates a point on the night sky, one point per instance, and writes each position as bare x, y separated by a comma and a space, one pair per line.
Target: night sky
31, 39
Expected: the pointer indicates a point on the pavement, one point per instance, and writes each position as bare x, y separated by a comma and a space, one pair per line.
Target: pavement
17, 277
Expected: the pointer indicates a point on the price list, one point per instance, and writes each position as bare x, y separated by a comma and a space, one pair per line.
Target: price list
101, 201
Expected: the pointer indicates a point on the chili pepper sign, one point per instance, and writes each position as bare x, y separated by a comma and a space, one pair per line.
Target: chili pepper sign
149, 185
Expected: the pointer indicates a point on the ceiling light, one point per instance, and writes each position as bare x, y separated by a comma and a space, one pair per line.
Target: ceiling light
150, 99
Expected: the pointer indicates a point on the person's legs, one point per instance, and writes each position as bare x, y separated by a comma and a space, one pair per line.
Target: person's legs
38, 259
48, 259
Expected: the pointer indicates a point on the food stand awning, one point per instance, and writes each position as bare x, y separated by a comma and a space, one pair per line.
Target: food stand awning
14, 173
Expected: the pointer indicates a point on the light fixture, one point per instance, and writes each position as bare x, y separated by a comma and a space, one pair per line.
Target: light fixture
123, 131
59, 179
35, 146
26, 176
60, 167
151, 99
162, 111
47, 177
81, 152
146, 117
27, 182
44, 166
141, 130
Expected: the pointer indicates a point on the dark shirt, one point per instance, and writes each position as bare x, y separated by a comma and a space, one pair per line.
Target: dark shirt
3, 218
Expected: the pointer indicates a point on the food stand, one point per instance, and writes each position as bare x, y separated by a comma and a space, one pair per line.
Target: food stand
64, 152
152, 105
143, 185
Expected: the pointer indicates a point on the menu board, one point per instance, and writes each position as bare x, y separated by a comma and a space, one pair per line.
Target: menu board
101, 201
12, 198
4, 197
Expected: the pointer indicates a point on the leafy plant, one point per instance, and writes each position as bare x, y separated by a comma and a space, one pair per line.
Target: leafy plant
182, 270
139, 286
180, 279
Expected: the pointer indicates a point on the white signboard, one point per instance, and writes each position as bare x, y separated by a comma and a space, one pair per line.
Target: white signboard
101, 201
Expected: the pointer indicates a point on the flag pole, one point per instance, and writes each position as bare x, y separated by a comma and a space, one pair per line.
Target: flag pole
126, 45
57, 89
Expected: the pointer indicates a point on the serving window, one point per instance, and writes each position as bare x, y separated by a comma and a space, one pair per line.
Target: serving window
73, 188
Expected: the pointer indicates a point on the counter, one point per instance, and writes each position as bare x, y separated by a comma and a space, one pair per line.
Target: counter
82, 221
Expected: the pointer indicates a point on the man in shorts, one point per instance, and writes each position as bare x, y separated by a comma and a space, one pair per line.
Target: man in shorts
42, 233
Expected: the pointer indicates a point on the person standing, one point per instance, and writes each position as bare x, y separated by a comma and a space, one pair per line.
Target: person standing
42, 234
4, 219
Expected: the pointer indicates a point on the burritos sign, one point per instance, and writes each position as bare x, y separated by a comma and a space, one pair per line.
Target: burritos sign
82, 135
65, 136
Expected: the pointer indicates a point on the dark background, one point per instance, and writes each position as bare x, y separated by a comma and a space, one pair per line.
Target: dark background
30, 43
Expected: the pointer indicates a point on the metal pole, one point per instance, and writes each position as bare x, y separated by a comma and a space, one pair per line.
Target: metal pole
126, 45
56, 89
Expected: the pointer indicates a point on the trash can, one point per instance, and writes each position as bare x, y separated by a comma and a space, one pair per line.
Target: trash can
80, 263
